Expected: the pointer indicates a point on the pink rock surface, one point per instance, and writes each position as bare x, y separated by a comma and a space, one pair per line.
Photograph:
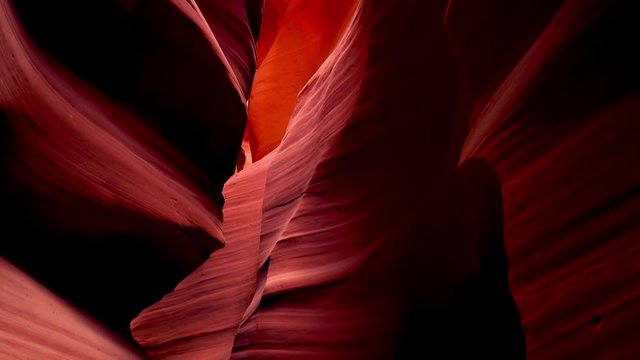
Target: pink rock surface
121, 121
414, 139
543, 92
332, 250
36, 324
200, 318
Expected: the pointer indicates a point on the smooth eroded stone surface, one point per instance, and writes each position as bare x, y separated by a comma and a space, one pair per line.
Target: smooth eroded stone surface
37, 324
556, 116
414, 164
120, 123
200, 318
295, 39
432, 133
345, 245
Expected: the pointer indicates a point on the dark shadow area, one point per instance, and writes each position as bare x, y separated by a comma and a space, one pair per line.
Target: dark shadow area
154, 60
480, 320
112, 275
110, 262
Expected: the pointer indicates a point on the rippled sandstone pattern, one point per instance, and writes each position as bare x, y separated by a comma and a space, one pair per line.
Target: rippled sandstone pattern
429, 177
121, 121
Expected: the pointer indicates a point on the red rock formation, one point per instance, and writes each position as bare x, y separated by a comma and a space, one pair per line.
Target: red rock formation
200, 318
121, 122
334, 244
545, 90
295, 39
414, 138
36, 324
555, 113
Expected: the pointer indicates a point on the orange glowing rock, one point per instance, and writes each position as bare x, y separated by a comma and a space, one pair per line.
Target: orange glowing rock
296, 38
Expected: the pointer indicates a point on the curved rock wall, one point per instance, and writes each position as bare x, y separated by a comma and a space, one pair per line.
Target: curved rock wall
428, 177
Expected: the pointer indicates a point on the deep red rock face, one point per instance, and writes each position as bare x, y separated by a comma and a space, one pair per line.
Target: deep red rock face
332, 249
121, 122
428, 178
560, 128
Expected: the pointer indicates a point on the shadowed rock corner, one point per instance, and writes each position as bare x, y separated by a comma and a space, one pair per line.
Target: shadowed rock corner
480, 320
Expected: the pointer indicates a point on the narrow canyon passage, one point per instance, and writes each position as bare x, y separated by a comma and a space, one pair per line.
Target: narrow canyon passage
319, 179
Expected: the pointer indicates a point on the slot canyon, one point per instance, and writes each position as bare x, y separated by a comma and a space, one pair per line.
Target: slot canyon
320, 179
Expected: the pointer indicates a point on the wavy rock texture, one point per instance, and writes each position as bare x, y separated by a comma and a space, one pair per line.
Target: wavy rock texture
332, 255
370, 230
557, 118
36, 324
121, 120
422, 150
225, 284
295, 39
